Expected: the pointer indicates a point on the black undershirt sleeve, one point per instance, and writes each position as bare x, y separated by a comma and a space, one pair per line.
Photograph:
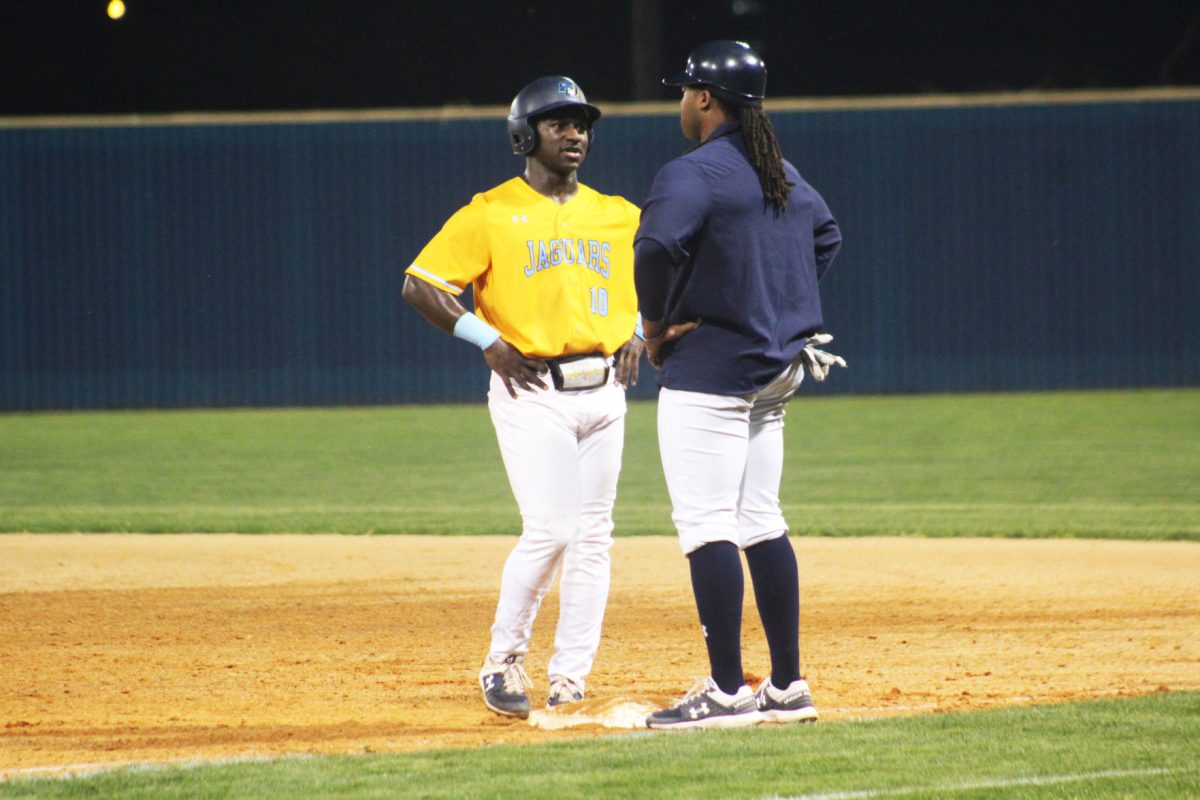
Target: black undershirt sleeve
652, 270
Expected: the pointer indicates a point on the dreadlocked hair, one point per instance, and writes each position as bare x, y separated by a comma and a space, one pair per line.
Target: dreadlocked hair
762, 148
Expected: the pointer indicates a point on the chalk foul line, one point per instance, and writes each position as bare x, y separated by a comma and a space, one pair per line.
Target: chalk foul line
967, 786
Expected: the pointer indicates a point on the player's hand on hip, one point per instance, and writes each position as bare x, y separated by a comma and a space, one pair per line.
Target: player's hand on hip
819, 362
628, 359
655, 338
514, 368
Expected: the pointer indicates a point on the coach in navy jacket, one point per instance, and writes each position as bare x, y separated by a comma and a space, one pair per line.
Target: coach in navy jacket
727, 258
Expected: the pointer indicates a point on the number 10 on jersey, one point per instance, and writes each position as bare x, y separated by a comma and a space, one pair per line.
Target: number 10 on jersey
599, 301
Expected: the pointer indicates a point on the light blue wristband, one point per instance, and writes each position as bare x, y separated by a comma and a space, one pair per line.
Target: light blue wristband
472, 329
637, 331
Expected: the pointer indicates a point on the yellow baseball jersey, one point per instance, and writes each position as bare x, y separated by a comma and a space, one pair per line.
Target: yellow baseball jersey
554, 279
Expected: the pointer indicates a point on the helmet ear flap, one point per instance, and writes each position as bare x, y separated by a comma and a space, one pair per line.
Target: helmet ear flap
522, 136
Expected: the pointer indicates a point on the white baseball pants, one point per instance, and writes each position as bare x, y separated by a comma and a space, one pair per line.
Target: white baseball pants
562, 452
723, 460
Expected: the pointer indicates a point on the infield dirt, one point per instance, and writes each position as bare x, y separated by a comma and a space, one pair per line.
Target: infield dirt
130, 648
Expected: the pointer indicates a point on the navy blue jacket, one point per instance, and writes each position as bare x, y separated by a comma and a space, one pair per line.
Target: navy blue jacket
710, 247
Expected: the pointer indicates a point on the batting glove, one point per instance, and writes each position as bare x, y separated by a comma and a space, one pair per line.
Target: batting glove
819, 362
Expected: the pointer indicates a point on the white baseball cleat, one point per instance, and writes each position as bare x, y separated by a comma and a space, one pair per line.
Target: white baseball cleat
504, 685
563, 690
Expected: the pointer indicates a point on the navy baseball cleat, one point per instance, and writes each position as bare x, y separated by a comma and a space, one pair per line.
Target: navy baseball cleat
706, 706
793, 704
563, 690
504, 684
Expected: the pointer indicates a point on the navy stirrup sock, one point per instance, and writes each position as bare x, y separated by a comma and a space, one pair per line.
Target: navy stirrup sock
776, 582
718, 585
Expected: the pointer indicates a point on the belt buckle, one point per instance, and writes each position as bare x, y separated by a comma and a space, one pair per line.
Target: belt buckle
577, 373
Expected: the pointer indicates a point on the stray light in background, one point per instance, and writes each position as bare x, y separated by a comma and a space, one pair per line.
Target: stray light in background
116, 9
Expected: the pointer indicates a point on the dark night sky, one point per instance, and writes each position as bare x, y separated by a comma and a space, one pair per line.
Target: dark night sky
66, 56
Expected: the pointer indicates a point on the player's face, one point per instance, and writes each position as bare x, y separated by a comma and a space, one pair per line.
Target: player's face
689, 113
563, 140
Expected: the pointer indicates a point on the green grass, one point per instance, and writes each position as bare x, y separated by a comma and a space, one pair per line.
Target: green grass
1101, 464
1094, 464
1134, 748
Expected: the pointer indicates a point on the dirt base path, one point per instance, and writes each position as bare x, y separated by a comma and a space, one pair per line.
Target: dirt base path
117, 649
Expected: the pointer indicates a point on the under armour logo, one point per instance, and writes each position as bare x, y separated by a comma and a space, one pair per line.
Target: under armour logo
695, 712
520, 218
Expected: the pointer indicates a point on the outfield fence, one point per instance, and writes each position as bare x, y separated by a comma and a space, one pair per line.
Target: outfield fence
993, 243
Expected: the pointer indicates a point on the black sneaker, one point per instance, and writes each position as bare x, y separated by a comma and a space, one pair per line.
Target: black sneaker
504, 684
793, 704
706, 706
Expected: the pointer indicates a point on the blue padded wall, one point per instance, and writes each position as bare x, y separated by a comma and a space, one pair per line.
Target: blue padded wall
988, 247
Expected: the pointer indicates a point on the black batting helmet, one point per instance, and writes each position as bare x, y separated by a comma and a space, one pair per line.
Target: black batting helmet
732, 68
537, 99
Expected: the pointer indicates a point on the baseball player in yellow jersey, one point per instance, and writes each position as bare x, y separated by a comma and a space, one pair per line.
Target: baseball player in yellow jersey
551, 265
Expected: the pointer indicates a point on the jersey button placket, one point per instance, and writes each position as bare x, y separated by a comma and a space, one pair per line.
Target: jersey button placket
579, 309
562, 225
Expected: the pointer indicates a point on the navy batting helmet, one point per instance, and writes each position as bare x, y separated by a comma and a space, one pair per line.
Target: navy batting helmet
733, 68
537, 99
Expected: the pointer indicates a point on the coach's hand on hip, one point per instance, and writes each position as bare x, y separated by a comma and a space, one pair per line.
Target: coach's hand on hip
512, 367
657, 336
